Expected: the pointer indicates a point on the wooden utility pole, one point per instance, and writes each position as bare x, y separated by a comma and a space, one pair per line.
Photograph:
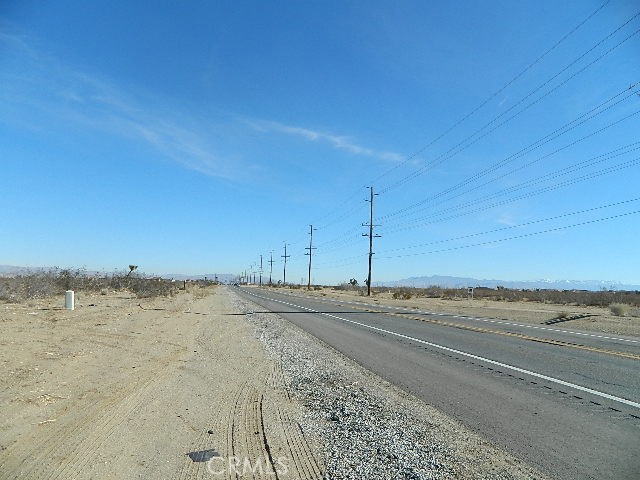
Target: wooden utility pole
285, 256
270, 267
371, 237
260, 270
310, 248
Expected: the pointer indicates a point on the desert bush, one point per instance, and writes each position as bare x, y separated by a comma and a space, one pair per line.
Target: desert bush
602, 298
56, 281
403, 293
619, 309
151, 287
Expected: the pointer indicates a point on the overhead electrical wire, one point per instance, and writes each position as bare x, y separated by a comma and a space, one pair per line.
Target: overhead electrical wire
446, 215
589, 176
493, 95
469, 114
516, 237
347, 237
463, 145
511, 227
575, 123
583, 163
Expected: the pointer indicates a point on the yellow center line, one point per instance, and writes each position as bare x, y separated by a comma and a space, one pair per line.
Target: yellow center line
504, 333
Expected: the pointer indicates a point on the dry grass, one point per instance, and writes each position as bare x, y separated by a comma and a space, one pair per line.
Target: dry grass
556, 297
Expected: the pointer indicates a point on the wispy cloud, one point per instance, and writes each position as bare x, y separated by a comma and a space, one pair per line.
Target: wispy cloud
44, 92
339, 142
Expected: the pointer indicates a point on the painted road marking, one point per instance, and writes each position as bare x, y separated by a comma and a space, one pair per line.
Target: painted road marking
466, 354
480, 319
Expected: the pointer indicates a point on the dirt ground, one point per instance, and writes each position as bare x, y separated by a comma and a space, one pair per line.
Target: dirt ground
597, 319
180, 388
124, 388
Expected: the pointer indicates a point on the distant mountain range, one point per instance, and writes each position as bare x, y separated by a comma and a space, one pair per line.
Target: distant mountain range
461, 282
416, 282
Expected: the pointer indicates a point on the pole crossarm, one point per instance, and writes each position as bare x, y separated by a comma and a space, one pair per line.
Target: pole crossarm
311, 248
371, 236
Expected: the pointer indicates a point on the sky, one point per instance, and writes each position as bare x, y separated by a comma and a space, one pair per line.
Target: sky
501, 139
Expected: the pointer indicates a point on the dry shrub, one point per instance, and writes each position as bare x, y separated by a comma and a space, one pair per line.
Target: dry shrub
402, 293
619, 309
56, 281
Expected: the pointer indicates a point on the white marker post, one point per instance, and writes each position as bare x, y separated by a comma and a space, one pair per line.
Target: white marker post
69, 301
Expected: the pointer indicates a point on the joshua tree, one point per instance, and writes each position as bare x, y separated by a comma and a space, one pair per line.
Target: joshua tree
131, 269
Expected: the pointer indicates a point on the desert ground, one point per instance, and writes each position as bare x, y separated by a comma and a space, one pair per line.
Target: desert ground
184, 387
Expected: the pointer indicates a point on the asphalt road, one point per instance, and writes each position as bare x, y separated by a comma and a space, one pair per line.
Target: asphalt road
567, 402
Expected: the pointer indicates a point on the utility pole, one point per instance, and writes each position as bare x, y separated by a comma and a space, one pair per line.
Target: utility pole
285, 256
371, 237
260, 270
270, 267
310, 248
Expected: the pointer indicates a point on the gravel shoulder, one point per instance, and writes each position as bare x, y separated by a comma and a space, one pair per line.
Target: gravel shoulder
200, 386
368, 428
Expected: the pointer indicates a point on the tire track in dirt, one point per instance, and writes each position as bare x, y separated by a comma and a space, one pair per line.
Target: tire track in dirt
247, 444
305, 464
76, 444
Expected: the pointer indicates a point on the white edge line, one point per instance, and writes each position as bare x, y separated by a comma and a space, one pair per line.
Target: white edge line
470, 355
478, 319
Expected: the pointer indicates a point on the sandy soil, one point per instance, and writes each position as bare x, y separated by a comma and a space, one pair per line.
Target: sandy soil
180, 387
595, 319
112, 390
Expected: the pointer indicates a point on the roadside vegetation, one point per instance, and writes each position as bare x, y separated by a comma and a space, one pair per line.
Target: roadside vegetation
42, 284
620, 303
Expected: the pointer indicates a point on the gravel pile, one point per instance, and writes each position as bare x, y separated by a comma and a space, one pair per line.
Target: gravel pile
363, 424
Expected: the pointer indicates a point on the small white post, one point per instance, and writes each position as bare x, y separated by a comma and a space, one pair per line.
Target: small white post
69, 301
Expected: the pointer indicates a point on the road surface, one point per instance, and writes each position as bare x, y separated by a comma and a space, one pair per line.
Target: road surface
565, 401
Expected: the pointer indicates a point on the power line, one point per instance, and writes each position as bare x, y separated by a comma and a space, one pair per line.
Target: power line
510, 227
461, 145
516, 237
589, 176
575, 123
494, 95
580, 165
589, 162
347, 261
467, 116
347, 238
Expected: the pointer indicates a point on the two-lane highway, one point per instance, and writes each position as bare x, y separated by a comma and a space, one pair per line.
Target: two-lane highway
566, 402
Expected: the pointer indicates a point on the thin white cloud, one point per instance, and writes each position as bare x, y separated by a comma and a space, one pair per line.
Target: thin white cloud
339, 142
46, 93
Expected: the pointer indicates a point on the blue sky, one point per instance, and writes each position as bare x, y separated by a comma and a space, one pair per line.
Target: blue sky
194, 137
